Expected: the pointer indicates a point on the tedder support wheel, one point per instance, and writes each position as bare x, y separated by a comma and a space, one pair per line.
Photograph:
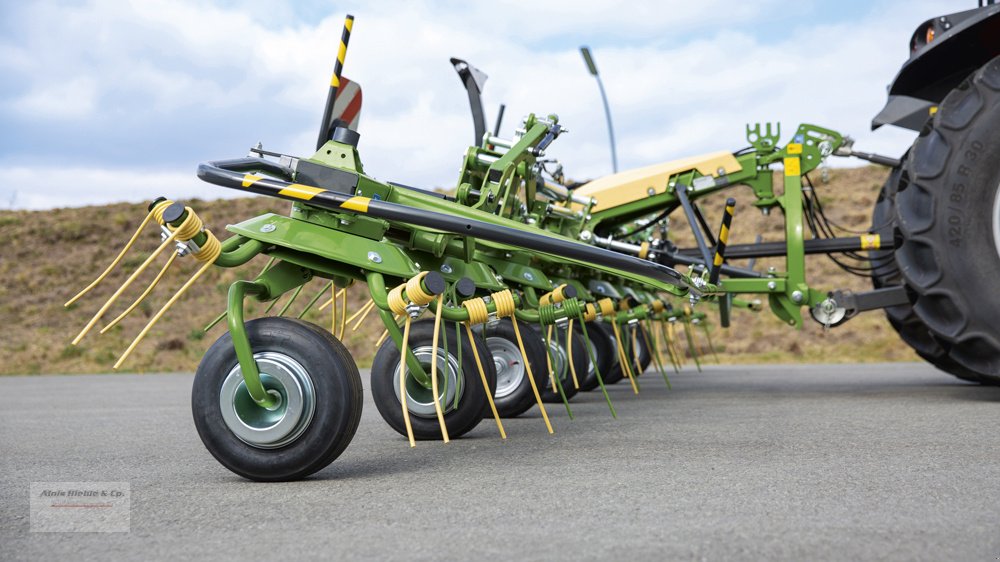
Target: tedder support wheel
885, 273
319, 409
645, 354
614, 373
560, 365
604, 351
460, 387
948, 217
514, 395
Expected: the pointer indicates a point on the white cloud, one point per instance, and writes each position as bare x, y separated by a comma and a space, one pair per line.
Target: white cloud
207, 81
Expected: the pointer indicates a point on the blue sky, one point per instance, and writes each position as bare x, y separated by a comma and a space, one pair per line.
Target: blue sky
110, 100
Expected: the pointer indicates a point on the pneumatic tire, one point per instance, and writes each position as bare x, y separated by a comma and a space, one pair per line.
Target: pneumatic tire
948, 217
614, 374
885, 273
321, 401
561, 367
514, 395
604, 351
463, 381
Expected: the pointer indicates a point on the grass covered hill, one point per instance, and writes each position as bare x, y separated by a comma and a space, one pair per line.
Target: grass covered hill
47, 256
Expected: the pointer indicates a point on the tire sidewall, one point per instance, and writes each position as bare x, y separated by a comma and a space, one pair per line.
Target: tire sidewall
472, 405
338, 399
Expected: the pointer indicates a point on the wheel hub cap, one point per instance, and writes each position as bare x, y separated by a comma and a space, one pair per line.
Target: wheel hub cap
283, 378
509, 365
420, 400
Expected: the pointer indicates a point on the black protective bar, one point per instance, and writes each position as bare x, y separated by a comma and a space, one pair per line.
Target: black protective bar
872, 300
692, 219
228, 174
692, 259
813, 246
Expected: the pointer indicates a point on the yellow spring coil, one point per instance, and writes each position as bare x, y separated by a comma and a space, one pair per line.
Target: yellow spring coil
554, 296
415, 293
505, 307
157, 213
185, 228
478, 315
606, 306
207, 255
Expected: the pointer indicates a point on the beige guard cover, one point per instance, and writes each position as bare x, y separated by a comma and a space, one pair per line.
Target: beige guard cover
633, 185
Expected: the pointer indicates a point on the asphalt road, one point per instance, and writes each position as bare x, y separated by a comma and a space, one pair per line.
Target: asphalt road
838, 462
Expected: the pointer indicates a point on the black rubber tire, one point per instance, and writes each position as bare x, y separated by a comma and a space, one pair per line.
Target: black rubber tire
645, 355
614, 374
338, 401
604, 351
472, 405
902, 318
945, 215
522, 398
580, 361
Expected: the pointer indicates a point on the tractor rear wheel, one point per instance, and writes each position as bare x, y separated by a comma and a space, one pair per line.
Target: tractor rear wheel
885, 273
948, 217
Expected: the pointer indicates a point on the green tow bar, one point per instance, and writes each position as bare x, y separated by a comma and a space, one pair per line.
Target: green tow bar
237, 330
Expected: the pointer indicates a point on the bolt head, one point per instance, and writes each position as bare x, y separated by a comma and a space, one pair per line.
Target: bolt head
374, 257
529, 276
445, 268
797, 296
268, 228
771, 285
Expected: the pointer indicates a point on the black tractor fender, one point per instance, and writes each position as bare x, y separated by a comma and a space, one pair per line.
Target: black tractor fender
943, 52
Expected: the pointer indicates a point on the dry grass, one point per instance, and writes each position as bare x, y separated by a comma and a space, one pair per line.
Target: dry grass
46, 257
761, 337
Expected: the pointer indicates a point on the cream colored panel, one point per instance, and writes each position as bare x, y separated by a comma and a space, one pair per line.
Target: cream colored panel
633, 185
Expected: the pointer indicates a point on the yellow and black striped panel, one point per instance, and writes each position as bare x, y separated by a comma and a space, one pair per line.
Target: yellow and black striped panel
727, 221
338, 66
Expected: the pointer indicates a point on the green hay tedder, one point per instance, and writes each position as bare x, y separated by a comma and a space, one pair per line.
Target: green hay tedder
521, 290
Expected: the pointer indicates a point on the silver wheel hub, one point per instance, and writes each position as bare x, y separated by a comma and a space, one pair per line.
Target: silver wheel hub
557, 354
509, 365
420, 400
285, 379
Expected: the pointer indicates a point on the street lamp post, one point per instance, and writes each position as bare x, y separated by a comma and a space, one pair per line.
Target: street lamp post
589, 59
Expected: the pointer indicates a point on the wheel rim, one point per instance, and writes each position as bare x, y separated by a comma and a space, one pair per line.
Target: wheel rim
509, 365
557, 352
282, 377
420, 400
